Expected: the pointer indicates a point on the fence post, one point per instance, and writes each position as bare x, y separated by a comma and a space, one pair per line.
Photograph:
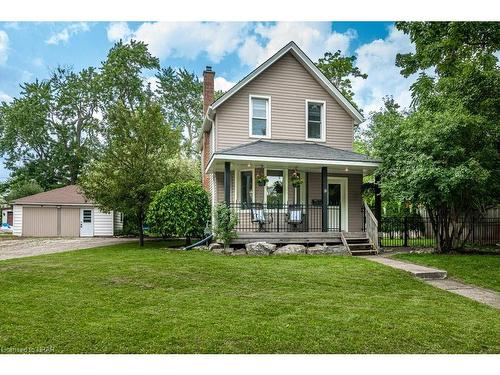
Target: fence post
473, 240
278, 218
405, 229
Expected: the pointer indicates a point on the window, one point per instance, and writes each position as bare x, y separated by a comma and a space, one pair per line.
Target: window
87, 216
274, 188
260, 118
315, 120
246, 192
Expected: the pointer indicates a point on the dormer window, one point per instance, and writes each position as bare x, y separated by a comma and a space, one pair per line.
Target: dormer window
260, 116
315, 120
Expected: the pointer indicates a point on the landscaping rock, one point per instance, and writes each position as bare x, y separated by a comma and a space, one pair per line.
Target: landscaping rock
239, 252
260, 248
215, 245
290, 249
201, 248
228, 251
331, 250
218, 250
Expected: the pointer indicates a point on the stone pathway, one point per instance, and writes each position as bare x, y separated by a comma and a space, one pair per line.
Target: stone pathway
437, 278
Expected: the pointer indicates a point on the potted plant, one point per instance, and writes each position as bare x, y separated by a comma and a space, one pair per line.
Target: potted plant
261, 180
296, 179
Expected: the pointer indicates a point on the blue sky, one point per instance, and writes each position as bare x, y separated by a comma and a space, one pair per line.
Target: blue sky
31, 50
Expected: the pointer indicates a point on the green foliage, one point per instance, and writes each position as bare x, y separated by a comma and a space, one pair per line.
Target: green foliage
134, 165
180, 94
48, 133
444, 154
179, 210
23, 189
225, 220
340, 70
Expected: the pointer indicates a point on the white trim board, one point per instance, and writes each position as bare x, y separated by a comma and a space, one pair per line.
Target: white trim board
228, 157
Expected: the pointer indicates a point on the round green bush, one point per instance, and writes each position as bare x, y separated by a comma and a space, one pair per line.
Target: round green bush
179, 210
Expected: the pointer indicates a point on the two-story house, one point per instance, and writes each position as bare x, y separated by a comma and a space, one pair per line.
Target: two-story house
278, 148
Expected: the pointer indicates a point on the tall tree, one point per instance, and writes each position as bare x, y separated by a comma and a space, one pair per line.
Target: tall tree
445, 155
340, 70
181, 95
133, 165
48, 132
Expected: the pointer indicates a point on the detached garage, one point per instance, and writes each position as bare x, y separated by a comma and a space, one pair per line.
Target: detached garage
63, 212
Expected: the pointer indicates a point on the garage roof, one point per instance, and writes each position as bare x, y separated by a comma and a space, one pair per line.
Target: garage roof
70, 194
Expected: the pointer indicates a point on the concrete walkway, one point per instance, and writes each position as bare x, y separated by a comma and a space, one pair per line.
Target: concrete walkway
25, 247
437, 278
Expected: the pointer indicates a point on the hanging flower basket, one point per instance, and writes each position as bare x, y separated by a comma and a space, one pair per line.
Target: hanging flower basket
261, 180
296, 179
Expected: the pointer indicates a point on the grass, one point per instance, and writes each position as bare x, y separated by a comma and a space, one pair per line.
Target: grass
123, 299
478, 269
412, 242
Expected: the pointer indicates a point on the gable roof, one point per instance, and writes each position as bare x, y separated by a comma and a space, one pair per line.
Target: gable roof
307, 63
70, 194
297, 151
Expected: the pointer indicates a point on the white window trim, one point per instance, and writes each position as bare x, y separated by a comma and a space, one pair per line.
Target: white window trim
344, 192
268, 111
285, 184
323, 120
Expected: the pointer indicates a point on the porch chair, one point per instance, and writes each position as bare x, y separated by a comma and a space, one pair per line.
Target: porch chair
294, 215
260, 216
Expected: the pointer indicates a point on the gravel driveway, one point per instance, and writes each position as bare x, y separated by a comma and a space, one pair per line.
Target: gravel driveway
25, 247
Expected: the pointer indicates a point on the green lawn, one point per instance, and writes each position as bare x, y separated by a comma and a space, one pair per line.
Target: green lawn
122, 299
478, 269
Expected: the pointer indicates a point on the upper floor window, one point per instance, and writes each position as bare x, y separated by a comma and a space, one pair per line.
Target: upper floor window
315, 120
260, 116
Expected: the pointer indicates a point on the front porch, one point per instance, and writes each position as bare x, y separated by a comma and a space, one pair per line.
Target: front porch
312, 197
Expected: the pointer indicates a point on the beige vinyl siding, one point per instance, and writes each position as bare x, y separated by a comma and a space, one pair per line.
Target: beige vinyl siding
69, 222
219, 178
354, 199
289, 85
40, 221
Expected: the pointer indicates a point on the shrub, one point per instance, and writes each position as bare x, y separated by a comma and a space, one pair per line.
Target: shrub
179, 210
225, 222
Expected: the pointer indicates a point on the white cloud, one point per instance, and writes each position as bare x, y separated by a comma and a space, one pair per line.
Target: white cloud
223, 84
4, 47
377, 59
153, 82
5, 97
189, 39
315, 38
117, 31
67, 32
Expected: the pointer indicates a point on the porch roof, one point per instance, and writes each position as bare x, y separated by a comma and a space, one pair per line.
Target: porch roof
298, 153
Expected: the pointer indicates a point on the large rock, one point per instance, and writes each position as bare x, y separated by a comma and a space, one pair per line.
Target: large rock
290, 249
260, 248
331, 250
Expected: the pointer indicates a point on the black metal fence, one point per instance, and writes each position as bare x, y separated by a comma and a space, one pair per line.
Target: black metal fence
416, 231
255, 217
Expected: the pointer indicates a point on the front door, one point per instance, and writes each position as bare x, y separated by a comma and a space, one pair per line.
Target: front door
86, 222
337, 204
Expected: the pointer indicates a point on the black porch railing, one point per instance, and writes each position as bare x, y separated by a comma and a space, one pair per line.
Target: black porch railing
254, 217
415, 230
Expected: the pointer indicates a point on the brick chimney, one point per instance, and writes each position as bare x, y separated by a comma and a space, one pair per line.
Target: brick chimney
208, 98
208, 88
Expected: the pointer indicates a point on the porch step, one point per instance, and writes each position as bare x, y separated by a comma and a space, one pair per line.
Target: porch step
358, 244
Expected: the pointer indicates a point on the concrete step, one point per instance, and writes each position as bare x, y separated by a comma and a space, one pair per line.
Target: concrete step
416, 270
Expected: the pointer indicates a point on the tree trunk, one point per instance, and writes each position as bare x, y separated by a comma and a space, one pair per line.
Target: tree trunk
141, 227
188, 240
